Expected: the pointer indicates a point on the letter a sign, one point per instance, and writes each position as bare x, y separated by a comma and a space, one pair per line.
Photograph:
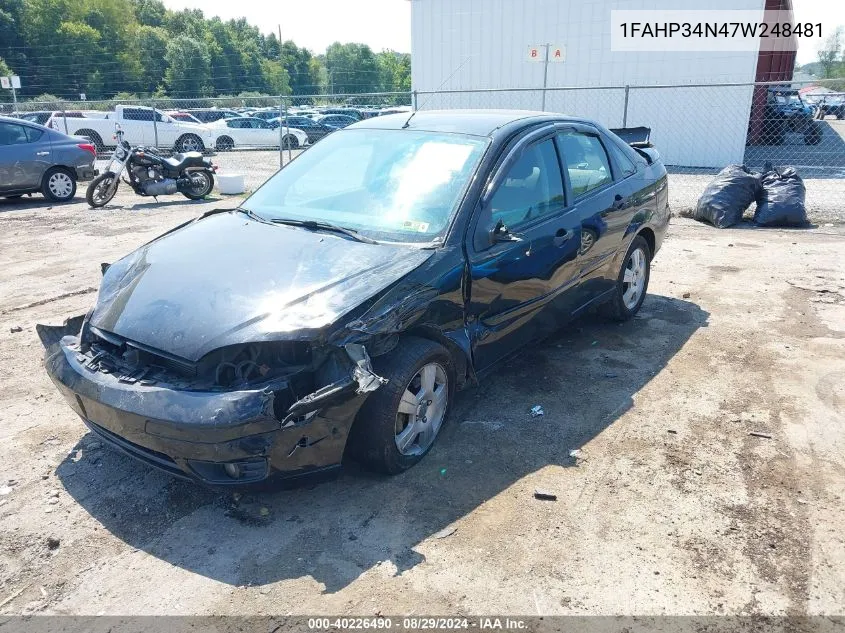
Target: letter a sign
538, 53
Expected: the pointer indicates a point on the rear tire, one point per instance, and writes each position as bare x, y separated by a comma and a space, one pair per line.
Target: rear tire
631, 282
101, 190
200, 192
224, 144
290, 142
381, 425
58, 185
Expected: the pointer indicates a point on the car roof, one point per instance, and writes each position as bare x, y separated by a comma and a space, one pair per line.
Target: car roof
474, 122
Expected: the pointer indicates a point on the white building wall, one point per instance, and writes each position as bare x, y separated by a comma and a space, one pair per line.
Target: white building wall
483, 44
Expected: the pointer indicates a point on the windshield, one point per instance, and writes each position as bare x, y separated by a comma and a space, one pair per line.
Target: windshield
392, 185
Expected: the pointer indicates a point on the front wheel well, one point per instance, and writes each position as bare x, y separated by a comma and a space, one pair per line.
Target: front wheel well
462, 364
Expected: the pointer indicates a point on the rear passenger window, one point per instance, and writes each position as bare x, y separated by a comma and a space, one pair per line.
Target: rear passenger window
33, 134
586, 162
532, 188
625, 165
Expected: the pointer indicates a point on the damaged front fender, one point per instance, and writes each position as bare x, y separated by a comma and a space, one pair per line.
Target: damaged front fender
361, 379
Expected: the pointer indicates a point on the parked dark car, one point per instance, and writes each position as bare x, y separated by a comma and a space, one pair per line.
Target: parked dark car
335, 121
312, 128
353, 113
210, 115
34, 158
363, 285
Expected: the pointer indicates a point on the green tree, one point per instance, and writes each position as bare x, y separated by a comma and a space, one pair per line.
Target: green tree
352, 68
150, 12
148, 53
11, 37
829, 53
274, 77
395, 71
298, 64
188, 68
84, 41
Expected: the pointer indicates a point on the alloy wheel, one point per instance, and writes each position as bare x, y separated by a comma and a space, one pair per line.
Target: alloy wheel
633, 281
422, 410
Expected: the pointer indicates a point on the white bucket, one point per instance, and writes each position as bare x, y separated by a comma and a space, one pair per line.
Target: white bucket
231, 183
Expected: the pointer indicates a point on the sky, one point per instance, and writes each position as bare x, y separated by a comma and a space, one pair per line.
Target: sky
387, 23
831, 13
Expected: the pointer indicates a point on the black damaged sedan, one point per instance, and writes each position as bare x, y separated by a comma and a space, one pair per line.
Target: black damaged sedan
342, 306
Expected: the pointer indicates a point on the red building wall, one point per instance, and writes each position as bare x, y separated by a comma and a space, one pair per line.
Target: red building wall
777, 65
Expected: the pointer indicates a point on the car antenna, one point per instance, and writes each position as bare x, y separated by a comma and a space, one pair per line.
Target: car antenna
433, 92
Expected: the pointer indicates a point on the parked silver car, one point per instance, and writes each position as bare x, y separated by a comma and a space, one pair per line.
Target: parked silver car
34, 158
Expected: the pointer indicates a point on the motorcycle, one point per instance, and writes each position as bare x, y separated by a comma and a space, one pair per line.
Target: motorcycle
150, 174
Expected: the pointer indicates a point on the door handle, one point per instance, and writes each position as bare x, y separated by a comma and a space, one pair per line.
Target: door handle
42, 153
562, 236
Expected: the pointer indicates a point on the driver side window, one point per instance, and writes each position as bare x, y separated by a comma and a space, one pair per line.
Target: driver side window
532, 188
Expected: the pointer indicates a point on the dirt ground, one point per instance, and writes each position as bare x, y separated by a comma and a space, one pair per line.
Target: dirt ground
666, 504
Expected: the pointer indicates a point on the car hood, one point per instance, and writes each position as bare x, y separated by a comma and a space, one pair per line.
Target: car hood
227, 279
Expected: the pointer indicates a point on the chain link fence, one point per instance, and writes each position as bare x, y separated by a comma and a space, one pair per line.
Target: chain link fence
697, 128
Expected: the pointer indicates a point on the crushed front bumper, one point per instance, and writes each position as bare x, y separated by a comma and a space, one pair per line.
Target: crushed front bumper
218, 438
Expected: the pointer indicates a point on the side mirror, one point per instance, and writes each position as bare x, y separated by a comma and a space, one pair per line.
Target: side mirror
501, 233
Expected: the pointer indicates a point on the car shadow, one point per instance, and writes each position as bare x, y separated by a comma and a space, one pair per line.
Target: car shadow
161, 204
584, 378
28, 203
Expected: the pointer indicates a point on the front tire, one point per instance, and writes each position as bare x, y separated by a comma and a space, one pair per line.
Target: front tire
400, 421
632, 282
101, 190
59, 185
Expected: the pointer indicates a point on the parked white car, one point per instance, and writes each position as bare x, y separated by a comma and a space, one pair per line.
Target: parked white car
252, 132
141, 126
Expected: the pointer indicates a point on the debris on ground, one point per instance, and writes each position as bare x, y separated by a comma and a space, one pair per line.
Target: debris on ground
727, 196
610, 374
544, 495
537, 411
15, 329
760, 434
575, 453
447, 531
781, 199
686, 295
53, 543
672, 431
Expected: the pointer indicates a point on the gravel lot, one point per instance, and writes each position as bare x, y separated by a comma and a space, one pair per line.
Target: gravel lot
666, 506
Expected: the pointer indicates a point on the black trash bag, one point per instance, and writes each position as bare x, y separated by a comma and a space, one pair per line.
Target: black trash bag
781, 199
727, 196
